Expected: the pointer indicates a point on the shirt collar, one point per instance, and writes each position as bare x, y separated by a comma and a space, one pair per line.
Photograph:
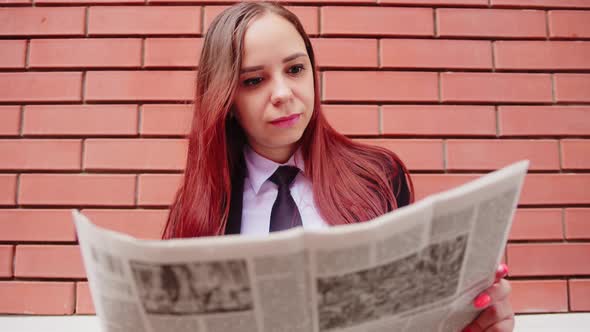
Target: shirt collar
260, 168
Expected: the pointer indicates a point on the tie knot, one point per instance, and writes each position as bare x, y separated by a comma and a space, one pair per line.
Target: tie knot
284, 175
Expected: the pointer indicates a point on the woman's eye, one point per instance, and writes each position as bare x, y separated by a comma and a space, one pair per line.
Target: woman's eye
294, 70
252, 81
298, 69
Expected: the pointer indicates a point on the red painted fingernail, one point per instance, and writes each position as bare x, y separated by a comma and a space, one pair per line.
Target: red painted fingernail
504, 268
501, 271
482, 301
467, 329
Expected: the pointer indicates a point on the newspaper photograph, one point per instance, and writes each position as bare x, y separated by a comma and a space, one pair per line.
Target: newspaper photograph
417, 268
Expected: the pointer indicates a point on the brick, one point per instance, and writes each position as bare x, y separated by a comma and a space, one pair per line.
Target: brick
77, 189
91, 2
345, 52
84, 305
158, 189
494, 154
383, 21
490, 23
435, 53
80, 120
438, 120
54, 2
542, 55
40, 86
309, 1
166, 120
417, 154
9, 120
16, 2
135, 154
543, 120
40, 154
36, 225
87, 52
153, 85
577, 223
48, 261
541, 3
549, 259
6, 259
495, 87
315, 1
42, 21
457, 3
579, 292
7, 189
530, 296
428, 184
537, 224
37, 297
565, 189
308, 16
172, 52
145, 224
353, 119
144, 20
572, 88
569, 24
575, 154
12, 53
377, 86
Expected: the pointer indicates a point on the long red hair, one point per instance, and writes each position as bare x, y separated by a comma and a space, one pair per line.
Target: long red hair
352, 182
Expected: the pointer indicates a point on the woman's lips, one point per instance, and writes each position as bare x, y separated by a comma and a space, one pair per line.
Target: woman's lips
287, 122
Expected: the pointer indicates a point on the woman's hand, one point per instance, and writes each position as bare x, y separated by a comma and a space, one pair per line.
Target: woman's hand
498, 315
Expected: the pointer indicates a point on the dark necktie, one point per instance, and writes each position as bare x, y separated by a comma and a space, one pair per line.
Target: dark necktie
284, 213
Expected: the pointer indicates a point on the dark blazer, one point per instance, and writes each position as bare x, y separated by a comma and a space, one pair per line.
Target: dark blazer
234, 222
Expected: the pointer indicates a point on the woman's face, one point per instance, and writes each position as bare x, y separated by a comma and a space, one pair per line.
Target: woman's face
276, 82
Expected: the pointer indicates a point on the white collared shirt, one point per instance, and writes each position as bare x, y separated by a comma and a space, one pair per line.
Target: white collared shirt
260, 194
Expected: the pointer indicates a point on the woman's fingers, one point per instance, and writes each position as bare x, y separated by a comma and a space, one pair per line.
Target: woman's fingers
506, 325
498, 314
494, 314
494, 294
501, 271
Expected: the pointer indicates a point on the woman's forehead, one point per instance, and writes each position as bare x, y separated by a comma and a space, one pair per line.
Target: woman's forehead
270, 38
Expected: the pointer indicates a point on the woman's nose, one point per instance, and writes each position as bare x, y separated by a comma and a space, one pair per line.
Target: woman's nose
281, 91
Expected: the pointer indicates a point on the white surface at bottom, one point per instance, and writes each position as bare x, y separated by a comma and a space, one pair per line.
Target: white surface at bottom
571, 322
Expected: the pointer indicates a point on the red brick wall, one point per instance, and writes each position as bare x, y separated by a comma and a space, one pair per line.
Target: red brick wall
456, 87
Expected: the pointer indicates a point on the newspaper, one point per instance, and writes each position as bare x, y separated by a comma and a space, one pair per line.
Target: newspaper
417, 268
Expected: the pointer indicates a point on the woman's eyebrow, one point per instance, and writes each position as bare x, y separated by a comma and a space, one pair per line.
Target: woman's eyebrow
287, 59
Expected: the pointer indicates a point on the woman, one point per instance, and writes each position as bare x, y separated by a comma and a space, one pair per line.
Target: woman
261, 152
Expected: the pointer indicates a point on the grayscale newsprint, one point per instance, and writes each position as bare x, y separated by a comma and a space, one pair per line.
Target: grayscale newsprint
416, 268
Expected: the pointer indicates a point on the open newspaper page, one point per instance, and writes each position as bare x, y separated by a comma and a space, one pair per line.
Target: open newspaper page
214, 284
417, 268
414, 269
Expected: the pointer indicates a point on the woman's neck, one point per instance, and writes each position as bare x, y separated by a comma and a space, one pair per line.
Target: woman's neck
279, 155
